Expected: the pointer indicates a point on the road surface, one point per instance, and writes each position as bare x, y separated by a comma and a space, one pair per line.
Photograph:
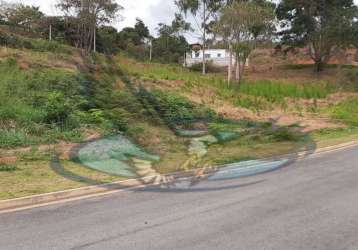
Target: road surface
310, 204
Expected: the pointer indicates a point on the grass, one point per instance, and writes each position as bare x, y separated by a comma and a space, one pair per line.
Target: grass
346, 111
275, 91
331, 137
37, 177
254, 95
47, 104
241, 150
160, 140
32, 101
24, 105
7, 168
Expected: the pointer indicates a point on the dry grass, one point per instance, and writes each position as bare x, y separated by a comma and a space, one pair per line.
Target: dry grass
37, 177
31, 59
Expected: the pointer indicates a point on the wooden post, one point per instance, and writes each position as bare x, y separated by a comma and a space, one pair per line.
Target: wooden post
50, 33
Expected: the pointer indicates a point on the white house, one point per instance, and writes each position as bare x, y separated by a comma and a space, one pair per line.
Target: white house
219, 57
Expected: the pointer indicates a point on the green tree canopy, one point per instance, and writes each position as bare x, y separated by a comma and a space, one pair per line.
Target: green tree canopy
26, 16
322, 25
204, 12
88, 15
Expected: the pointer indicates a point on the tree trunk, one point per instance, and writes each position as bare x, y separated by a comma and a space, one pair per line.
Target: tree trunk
94, 39
319, 56
229, 70
238, 70
319, 65
204, 37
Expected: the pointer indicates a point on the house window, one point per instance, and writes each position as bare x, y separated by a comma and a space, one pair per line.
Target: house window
219, 55
207, 55
197, 54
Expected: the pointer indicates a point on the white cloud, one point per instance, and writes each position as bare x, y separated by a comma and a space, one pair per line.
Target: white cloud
151, 12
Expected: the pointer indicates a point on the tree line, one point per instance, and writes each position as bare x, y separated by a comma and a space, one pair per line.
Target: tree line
86, 24
323, 26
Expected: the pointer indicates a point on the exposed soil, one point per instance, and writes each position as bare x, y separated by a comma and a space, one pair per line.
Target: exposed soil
62, 148
308, 121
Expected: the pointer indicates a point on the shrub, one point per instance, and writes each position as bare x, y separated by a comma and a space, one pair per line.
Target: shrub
178, 110
57, 108
7, 168
209, 66
284, 134
119, 118
14, 138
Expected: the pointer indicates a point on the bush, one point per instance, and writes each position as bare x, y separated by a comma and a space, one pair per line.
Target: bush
11, 41
14, 138
18, 42
57, 108
7, 168
119, 118
284, 134
178, 110
210, 67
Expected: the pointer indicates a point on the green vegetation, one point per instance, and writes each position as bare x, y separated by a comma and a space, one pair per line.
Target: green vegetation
68, 97
347, 111
177, 110
7, 168
38, 177
331, 137
36, 105
40, 45
44, 105
274, 91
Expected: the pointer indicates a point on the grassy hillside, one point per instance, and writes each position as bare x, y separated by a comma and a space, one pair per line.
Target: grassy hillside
54, 100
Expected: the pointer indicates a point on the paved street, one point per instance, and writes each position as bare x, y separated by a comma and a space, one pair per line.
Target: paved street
310, 204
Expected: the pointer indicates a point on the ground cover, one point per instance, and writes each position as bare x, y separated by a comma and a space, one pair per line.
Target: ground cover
185, 119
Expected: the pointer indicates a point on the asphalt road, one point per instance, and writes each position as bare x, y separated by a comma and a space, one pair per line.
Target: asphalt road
310, 204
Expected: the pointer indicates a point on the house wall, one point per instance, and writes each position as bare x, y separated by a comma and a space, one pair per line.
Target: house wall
219, 57
213, 53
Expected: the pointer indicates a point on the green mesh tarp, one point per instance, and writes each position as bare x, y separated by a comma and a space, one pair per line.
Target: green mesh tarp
112, 155
225, 136
191, 133
199, 146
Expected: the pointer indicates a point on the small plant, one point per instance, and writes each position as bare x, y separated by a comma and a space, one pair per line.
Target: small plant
57, 108
7, 168
210, 67
347, 111
284, 134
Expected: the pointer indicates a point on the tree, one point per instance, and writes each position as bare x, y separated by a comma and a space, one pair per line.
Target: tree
322, 25
107, 41
28, 17
170, 45
133, 40
88, 15
5, 8
206, 11
141, 29
240, 24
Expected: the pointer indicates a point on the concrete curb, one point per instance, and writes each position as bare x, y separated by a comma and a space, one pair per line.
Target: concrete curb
43, 199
